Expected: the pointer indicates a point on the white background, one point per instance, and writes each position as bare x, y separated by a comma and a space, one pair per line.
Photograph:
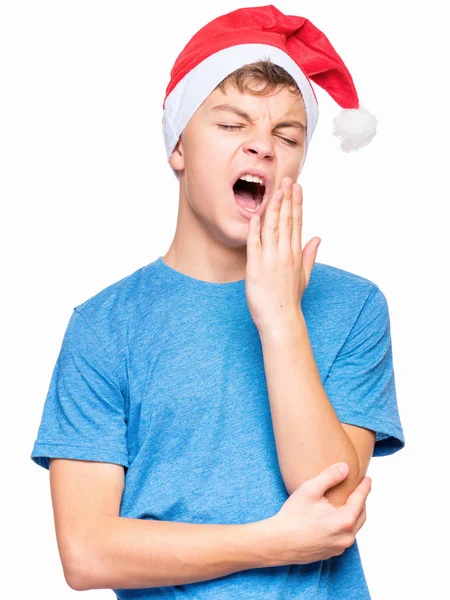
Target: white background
87, 197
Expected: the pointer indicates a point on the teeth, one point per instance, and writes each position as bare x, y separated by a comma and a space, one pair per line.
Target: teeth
252, 178
253, 209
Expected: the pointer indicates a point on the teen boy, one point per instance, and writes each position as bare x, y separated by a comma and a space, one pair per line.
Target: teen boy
200, 407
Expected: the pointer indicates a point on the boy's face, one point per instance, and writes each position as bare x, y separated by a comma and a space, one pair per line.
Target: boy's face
210, 159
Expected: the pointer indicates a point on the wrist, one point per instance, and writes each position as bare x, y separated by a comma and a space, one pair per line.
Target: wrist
267, 542
291, 326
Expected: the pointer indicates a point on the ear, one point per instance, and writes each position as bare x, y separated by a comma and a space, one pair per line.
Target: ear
176, 159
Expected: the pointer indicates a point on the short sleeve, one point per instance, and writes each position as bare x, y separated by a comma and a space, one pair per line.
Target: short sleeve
84, 412
361, 381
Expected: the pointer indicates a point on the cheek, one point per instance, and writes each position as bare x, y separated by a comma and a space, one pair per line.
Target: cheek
208, 161
201, 183
204, 153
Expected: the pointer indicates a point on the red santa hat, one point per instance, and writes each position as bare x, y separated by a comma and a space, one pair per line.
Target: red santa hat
247, 35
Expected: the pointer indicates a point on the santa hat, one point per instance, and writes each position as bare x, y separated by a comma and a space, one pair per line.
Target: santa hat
247, 35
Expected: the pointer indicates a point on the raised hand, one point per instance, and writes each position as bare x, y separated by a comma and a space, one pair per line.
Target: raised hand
278, 270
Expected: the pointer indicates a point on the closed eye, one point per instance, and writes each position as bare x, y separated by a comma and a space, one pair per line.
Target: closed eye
234, 127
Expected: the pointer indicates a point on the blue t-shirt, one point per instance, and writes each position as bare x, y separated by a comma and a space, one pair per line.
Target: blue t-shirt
164, 374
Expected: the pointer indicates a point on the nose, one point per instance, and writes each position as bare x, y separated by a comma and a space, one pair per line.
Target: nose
260, 144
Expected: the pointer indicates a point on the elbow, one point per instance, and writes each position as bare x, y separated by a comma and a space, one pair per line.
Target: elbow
339, 494
73, 577
76, 583
79, 570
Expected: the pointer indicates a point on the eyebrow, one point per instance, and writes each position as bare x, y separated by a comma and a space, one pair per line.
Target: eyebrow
241, 113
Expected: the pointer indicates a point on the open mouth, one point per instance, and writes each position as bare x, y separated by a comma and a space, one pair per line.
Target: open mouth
249, 194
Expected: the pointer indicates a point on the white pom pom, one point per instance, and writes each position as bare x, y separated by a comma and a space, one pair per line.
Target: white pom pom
356, 127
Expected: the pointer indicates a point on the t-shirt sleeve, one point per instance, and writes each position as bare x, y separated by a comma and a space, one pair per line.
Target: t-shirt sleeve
84, 412
361, 382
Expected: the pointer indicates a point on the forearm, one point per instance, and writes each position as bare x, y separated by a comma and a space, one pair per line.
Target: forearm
309, 436
136, 553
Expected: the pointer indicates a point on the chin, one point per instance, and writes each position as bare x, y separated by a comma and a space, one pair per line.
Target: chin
233, 235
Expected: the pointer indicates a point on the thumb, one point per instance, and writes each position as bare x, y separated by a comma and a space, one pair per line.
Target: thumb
329, 477
310, 255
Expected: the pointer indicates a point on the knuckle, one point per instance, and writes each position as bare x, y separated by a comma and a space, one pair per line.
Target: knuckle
345, 541
306, 486
349, 540
347, 523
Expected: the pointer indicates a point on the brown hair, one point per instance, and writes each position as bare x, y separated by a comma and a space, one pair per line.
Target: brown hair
262, 71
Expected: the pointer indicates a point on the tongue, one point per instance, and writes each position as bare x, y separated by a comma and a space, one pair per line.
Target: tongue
245, 199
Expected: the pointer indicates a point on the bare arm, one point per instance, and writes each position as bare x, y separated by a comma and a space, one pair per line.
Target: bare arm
101, 550
309, 436
134, 553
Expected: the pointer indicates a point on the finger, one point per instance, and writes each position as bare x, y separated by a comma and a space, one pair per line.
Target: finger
297, 219
360, 520
329, 477
356, 500
285, 232
269, 232
309, 254
254, 237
